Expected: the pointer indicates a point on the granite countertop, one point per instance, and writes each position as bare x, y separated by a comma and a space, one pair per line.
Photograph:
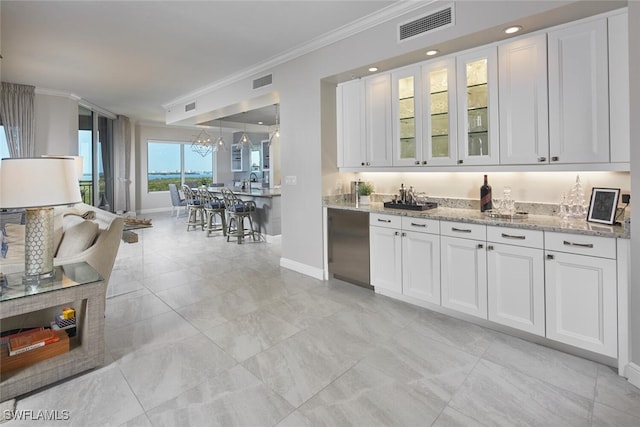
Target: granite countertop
256, 192
533, 222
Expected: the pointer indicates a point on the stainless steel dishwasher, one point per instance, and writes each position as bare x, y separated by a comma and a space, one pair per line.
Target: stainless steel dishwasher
348, 246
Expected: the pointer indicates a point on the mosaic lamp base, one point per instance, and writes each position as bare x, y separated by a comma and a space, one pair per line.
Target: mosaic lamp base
38, 244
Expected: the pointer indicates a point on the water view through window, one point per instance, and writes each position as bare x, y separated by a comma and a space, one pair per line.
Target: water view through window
174, 162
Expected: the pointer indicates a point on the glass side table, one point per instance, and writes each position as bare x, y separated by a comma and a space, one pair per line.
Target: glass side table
27, 305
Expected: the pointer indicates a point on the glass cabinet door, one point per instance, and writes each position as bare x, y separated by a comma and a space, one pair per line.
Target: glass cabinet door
407, 142
477, 94
439, 107
236, 158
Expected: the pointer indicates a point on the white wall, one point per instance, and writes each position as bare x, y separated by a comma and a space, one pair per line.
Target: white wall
56, 125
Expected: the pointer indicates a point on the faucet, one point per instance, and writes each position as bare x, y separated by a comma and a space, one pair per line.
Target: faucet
253, 177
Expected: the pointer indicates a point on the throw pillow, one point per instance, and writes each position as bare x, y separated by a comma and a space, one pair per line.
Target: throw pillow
77, 238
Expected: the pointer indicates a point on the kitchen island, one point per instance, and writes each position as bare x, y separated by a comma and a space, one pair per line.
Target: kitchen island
266, 220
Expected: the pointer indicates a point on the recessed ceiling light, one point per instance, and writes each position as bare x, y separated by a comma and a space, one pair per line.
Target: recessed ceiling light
432, 52
512, 30
373, 69
260, 123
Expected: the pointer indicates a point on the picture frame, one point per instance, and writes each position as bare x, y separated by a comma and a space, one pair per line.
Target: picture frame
603, 205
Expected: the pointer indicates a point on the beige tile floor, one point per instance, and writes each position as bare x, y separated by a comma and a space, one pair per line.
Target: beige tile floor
201, 332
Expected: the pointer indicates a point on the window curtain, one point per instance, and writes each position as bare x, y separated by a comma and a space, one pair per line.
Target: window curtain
18, 118
122, 163
106, 147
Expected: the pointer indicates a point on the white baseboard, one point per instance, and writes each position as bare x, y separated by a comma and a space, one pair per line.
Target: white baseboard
632, 372
316, 273
272, 239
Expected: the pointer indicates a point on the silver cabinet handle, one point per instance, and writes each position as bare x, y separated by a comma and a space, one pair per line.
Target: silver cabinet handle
580, 245
460, 230
550, 257
417, 162
384, 220
396, 233
480, 246
555, 158
542, 159
509, 236
489, 247
404, 234
413, 224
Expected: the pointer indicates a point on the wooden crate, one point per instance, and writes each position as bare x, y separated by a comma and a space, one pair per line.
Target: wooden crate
11, 363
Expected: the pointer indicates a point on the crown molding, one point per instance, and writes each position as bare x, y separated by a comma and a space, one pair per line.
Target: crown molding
53, 92
383, 15
76, 98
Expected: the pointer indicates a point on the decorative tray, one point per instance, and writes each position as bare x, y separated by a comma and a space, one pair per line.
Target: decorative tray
416, 207
498, 215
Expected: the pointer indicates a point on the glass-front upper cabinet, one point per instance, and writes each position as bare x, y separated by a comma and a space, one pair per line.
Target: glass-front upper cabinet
439, 109
406, 111
237, 158
478, 107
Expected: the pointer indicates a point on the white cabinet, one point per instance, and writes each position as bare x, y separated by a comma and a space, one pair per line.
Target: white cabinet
421, 259
237, 158
619, 87
350, 123
385, 252
578, 93
407, 129
439, 124
515, 273
581, 292
364, 122
524, 122
477, 79
405, 256
464, 268
377, 121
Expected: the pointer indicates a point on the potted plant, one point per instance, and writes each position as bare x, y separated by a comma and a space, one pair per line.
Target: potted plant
365, 190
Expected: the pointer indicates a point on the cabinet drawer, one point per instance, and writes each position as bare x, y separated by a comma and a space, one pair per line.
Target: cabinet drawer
516, 237
604, 247
421, 225
464, 230
382, 220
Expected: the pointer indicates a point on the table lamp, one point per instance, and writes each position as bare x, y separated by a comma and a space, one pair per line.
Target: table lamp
37, 184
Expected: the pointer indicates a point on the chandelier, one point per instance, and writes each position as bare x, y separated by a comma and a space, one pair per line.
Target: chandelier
276, 131
220, 145
244, 138
202, 143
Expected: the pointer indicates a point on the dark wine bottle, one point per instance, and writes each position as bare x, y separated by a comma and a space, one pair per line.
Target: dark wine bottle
485, 196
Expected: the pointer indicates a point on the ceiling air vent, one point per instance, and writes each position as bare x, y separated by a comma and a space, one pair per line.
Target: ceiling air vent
263, 81
437, 20
190, 106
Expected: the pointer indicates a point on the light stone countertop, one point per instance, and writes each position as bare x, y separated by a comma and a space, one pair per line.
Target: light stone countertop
256, 192
532, 222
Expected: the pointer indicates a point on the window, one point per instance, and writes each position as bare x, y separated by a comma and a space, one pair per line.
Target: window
173, 162
4, 147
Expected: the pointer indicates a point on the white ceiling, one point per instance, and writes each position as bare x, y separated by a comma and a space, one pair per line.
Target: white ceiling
130, 57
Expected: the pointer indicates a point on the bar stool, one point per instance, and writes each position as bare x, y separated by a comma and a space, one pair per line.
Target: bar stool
213, 207
238, 210
195, 211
